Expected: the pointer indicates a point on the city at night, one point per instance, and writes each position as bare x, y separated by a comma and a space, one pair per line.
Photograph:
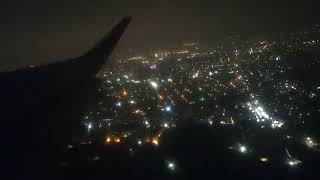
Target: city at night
160, 90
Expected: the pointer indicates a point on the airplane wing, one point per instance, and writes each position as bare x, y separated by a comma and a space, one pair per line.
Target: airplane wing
33, 85
40, 105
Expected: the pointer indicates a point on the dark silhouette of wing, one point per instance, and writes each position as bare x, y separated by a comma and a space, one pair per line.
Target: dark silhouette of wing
33, 85
41, 105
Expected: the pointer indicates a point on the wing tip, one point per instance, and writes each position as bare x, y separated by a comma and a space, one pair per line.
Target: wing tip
105, 46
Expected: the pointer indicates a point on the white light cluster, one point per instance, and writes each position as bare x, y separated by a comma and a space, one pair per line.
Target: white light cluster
293, 162
195, 75
276, 124
147, 123
262, 116
310, 142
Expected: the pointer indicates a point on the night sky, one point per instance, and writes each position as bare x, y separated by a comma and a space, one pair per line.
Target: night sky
37, 31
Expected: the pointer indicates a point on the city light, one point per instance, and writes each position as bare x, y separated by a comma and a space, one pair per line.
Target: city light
89, 126
264, 159
310, 142
237, 87
108, 140
262, 116
153, 66
124, 93
119, 104
243, 149
132, 102
293, 162
117, 140
155, 141
195, 75
188, 90
168, 108
154, 84
112, 139
171, 165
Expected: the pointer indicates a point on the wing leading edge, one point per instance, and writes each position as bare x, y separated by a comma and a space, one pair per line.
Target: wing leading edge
38, 83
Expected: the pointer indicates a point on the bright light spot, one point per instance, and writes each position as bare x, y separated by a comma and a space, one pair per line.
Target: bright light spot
135, 81
195, 75
160, 97
154, 66
119, 104
89, 126
276, 124
117, 140
108, 140
146, 123
261, 113
132, 102
139, 112
154, 84
169, 80
156, 55
310, 142
155, 141
139, 142
165, 125
171, 165
124, 93
243, 149
294, 162
168, 108
264, 159
250, 51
